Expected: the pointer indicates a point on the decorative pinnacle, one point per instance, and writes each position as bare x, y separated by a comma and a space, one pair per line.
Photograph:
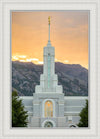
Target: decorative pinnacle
49, 20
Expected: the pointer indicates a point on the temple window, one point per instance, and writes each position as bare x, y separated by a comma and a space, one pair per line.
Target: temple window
48, 109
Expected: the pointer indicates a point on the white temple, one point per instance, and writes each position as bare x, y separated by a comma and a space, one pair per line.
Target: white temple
48, 107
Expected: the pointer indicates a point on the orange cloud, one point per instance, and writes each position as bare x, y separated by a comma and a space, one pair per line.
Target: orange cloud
69, 36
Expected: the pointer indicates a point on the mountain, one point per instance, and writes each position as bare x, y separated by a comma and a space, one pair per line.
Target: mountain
73, 78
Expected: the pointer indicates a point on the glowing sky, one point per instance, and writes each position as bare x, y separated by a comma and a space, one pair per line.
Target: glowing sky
69, 36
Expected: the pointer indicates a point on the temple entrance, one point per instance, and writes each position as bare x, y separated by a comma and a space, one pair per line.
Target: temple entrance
48, 109
48, 124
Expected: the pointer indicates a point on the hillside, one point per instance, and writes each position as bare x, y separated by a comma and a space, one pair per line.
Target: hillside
73, 78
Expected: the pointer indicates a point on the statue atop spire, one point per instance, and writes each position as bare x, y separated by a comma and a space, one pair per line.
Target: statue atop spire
49, 20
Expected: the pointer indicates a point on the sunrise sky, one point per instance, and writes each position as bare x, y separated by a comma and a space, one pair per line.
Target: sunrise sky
69, 36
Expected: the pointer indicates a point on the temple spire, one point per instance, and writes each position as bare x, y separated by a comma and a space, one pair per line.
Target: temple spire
49, 26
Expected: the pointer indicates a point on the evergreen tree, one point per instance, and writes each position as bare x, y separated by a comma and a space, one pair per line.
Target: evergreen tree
84, 116
19, 115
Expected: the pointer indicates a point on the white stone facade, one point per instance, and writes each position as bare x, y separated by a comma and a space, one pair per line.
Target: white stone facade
67, 117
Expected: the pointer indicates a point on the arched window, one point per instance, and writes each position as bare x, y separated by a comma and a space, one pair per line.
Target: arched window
48, 124
72, 126
48, 109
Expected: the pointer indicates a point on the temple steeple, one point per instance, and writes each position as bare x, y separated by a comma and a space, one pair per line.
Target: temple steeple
49, 80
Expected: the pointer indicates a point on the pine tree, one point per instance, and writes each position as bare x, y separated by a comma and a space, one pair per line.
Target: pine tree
84, 116
19, 115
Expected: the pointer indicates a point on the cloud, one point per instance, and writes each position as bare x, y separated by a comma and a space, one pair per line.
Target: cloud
66, 61
62, 61
40, 62
57, 60
22, 56
69, 35
22, 60
15, 58
32, 59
